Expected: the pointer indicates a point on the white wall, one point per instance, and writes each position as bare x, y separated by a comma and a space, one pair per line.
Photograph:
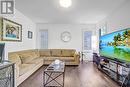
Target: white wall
27, 25
117, 20
55, 31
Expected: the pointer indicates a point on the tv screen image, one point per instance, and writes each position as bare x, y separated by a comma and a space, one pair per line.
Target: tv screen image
116, 45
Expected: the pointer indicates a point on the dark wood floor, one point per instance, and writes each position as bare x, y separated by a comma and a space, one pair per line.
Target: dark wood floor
84, 75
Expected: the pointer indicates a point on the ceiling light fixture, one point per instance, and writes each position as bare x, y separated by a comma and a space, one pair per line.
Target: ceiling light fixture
65, 3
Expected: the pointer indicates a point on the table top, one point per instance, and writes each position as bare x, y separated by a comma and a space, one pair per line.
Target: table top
56, 67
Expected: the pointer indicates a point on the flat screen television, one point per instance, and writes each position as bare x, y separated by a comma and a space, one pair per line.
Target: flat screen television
116, 45
2, 45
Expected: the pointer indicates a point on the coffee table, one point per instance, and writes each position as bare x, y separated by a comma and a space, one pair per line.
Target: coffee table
54, 75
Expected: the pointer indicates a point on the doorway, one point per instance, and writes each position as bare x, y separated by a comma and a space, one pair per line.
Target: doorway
87, 45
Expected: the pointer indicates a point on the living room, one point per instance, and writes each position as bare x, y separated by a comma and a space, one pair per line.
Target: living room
53, 31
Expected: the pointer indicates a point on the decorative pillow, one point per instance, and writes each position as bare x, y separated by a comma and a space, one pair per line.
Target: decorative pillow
13, 57
25, 58
34, 55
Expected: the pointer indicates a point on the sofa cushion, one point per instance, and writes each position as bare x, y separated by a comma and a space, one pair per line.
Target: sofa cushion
23, 68
51, 58
25, 58
56, 52
68, 53
36, 61
13, 57
33, 54
67, 58
45, 52
60, 58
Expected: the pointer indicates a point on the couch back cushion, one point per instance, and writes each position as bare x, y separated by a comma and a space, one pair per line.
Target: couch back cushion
26, 57
33, 52
14, 57
45, 52
68, 52
56, 52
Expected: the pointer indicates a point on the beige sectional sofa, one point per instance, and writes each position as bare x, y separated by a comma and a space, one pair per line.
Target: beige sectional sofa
70, 56
28, 61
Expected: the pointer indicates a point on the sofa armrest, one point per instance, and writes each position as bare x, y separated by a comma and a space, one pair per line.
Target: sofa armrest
16, 70
77, 58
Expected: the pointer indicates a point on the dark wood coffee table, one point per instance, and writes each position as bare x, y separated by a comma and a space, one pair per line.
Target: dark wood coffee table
54, 75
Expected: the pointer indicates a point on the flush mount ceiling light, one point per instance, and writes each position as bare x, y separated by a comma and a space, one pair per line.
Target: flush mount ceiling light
65, 3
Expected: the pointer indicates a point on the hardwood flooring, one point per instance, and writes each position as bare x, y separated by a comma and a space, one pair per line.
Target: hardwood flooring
84, 75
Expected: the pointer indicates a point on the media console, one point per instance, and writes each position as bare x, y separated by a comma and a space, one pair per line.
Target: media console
117, 70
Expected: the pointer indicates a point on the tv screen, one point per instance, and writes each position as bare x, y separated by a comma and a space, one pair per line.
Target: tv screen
1, 51
116, 45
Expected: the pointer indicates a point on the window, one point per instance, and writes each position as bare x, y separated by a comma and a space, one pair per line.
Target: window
44, 39
103, 30
87, 37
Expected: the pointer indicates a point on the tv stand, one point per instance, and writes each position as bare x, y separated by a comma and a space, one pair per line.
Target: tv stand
117, 70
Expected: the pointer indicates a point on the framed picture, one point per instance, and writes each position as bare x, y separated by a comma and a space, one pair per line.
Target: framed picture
30, 34
11, 31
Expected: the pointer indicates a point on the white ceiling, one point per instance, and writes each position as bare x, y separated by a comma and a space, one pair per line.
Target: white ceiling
81, 11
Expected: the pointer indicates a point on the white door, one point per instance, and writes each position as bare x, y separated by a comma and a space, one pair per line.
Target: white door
43, 39
87, 45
